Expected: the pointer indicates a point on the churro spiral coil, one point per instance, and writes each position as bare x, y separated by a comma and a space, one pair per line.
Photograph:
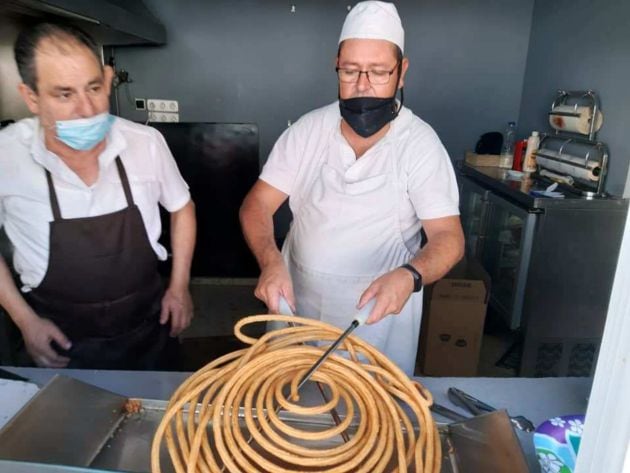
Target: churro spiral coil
237, 413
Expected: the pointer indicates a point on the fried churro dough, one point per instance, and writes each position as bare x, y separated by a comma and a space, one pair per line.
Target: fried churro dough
132, 406
380, 402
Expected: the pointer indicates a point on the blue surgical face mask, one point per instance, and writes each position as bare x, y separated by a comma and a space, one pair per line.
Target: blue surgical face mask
84, 133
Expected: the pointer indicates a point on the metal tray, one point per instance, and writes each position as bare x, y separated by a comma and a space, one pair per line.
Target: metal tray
129, 447
71, 423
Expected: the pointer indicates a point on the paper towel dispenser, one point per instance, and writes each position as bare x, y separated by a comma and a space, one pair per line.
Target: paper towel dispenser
567, 156
111, 22
576, 111
575, 119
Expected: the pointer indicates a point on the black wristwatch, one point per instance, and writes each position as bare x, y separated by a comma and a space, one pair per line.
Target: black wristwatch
417, 277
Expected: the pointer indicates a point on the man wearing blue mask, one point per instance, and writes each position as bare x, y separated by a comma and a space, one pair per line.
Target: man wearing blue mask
363, 177
79, 195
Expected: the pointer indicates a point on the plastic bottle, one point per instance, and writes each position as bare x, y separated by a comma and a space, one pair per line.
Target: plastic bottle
507, 150
529, 163
519, 152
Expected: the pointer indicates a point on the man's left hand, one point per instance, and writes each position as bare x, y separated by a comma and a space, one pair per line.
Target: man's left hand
391, 290
177, 306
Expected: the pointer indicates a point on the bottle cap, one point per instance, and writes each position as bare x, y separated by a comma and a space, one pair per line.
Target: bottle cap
534, 133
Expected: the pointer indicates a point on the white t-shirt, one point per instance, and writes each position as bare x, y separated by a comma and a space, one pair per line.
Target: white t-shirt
25, 210
422, 164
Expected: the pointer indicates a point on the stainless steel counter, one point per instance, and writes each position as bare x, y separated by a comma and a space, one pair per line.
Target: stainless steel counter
496, 179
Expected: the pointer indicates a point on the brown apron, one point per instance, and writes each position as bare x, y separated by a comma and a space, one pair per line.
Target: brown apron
102, 289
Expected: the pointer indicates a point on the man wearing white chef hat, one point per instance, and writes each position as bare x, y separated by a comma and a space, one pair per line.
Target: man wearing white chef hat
363, 176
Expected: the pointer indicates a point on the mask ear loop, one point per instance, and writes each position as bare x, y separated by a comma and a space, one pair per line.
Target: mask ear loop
402, 100
402, 93
45, 128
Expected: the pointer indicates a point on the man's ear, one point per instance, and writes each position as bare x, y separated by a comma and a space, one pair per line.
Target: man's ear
30, 98
403, 71
108, 77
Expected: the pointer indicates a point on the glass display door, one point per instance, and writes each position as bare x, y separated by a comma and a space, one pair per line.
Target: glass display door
473, 210
506, 252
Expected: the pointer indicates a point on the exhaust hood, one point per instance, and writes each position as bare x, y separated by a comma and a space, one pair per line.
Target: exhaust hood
111, 22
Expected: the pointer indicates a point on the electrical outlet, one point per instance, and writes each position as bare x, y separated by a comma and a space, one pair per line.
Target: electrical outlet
159, 105
163, 117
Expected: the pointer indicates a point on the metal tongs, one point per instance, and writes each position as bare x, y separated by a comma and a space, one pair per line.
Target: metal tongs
477, 407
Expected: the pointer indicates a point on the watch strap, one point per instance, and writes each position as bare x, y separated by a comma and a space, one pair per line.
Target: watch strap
417, 277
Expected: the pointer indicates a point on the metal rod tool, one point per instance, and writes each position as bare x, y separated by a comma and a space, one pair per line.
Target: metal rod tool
285, 309
359, 319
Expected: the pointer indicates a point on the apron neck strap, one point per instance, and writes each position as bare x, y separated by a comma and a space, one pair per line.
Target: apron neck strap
125, 182
54, 203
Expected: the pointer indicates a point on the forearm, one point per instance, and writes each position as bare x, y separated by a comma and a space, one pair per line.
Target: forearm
441, 253
11, 299
183, 236
257, 223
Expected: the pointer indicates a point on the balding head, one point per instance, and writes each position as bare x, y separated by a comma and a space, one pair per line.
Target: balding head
45, 37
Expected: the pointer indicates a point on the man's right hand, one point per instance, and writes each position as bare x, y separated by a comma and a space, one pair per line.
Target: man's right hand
38, 334
256, 215
274, 282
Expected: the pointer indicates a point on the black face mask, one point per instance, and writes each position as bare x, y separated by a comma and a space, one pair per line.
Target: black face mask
367, 115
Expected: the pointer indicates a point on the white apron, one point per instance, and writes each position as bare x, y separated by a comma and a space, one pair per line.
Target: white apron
345, 233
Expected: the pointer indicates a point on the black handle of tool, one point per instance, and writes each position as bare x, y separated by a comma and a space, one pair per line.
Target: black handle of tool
480, 404
460, 398
331, 348
448, 413
4, 374
359, 319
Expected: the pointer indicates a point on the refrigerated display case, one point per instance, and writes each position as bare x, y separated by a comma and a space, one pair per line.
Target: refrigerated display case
498, 234
551, 261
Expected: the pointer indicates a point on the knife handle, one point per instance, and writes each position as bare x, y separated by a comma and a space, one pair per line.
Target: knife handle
362, 316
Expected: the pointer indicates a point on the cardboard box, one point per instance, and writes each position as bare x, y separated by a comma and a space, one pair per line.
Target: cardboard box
452, 322
482, 159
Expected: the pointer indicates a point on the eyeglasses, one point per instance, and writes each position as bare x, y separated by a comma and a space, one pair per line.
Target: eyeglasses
375, 76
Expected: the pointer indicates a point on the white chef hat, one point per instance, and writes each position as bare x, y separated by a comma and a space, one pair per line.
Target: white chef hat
374, 20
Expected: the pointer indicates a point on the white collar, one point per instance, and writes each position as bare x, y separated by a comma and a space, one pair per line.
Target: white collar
115, 143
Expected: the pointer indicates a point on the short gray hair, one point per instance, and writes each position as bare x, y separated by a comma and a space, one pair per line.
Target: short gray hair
29, 39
